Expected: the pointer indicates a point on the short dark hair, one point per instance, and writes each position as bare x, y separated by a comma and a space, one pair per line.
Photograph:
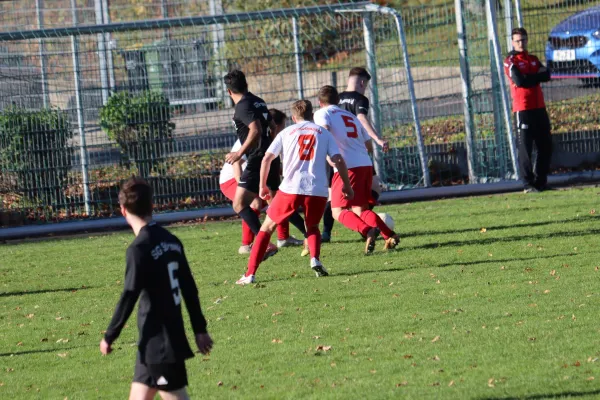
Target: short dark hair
329, 95
236, 82
518, 31
278, 116
303, 109
360, 72
136, 197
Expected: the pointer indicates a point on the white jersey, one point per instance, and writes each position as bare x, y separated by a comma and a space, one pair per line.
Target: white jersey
304, 147
227, 170
349, 135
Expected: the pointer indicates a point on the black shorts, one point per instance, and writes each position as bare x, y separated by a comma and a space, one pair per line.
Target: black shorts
165, 377
250, 179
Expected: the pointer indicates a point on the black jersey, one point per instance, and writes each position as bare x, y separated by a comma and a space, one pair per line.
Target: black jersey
158, 272
249, 109
354, 102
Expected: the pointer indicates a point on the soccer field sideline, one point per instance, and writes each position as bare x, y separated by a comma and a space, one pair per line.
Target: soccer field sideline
498, 292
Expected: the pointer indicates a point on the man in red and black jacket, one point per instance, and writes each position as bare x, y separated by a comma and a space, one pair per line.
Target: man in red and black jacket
526, 72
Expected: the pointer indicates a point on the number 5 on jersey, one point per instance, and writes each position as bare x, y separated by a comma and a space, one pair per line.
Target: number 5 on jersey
173, 267
351, 130
307, 147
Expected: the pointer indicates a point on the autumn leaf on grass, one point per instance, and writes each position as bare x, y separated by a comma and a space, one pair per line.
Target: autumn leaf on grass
403, 383
62, 355
408, 356
491, 382
277, 341
29, 316
483, 230
451, 383
323, 348
435, 339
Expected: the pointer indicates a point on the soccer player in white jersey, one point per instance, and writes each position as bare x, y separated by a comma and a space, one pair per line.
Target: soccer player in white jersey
354, 144
304, 147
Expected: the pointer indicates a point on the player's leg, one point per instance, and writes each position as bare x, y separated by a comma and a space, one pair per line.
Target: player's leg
314, 207
524, 128
342, 208
327, 215
143, 386
245, 194
543, 142
139, 391
180, 394
247, 234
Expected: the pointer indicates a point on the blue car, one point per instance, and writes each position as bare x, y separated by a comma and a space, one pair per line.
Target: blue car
573, 48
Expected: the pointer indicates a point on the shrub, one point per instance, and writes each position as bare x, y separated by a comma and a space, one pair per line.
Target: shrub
35, 156
141, 125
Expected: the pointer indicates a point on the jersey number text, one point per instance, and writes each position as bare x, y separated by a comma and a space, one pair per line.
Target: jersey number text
307, 147
174, 266
351, 126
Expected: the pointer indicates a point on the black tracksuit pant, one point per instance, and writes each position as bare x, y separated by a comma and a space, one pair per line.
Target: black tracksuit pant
534, 128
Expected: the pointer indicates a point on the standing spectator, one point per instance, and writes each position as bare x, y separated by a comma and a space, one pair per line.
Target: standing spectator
526, 72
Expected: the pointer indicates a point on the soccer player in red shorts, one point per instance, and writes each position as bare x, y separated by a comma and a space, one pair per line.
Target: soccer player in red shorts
228, 182
354, 144
304, 147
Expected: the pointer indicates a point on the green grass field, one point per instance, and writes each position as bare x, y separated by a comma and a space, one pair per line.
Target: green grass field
489, 297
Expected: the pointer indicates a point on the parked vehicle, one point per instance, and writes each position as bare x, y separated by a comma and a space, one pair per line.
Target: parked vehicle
573, 47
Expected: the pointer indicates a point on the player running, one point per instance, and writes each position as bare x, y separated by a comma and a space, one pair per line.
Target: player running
254, 128
355, 101
304, 147
354, 144
158, 272
228, 182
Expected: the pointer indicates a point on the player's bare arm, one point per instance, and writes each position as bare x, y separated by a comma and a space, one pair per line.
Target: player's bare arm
372, 134
254, 132
340, 164
265, 167
237, 170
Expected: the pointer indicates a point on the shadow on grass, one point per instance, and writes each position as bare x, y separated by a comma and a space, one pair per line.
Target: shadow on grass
504, 239
400, 267
24, 292
498, 227
547, 396
476, 229
52, 350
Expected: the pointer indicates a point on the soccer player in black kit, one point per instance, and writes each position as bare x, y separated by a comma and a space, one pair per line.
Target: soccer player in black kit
254, 127
355, 101
158, 273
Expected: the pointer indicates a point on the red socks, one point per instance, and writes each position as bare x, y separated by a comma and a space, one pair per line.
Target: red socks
353, 222
283, 230
258, 252
374, 221
247, 234
313, 236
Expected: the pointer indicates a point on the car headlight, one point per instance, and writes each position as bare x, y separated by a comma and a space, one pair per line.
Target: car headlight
596, 34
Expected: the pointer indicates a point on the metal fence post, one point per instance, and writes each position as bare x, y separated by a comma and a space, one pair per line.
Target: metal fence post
40, 21
465, 76
411, 93
490, 11
508, 16
101, 52
80, 117
375, 114
298, 58
519, 13
108, 46
218, 42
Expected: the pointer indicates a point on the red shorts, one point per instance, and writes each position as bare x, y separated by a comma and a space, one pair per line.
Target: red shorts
284, 205
361, 180
228, 188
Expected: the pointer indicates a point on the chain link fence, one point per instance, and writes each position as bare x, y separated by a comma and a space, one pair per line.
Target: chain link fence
135, 88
